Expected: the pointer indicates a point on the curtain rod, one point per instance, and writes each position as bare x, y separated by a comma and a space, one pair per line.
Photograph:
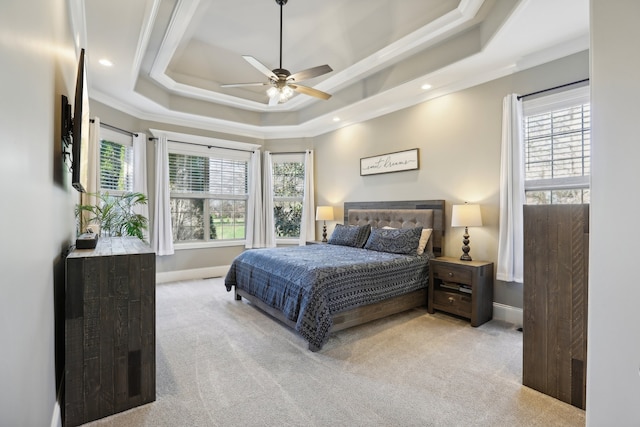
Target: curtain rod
552, 88
117, 129
288, 152
152, 138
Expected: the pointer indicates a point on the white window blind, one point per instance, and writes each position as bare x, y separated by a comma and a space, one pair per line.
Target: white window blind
207, 175
208, 194
557, 151
116, 162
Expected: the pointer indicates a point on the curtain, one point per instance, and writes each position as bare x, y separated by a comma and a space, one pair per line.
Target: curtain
162, 233
140, 173
267, 206
255, 219
93, 173
308, 223
510, 240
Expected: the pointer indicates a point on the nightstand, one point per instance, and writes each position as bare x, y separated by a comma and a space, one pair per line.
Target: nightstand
463, 288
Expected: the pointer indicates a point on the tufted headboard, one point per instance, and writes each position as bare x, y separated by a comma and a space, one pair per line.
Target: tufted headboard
404, 214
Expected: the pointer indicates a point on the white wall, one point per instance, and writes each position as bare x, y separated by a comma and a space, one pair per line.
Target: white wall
613, 352
37, 220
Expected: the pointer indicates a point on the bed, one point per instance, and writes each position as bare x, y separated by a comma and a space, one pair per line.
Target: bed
323, 288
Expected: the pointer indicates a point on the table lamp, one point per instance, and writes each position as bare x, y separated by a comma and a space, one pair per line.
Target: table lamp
324, 213
466, 216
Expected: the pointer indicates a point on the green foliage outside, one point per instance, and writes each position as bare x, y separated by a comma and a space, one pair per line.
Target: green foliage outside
114, 214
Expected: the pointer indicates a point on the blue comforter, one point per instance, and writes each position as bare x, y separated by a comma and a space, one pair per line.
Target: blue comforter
310, 283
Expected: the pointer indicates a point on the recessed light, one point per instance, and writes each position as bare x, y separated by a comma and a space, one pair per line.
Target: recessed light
106, 62
426, 86
336, 119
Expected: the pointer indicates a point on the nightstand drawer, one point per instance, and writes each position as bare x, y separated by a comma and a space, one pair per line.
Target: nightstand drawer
452, 274
453, 302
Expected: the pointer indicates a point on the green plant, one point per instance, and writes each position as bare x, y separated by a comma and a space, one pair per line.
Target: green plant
114, 214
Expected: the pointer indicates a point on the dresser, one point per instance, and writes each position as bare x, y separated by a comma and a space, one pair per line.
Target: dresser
109, 329
556, 268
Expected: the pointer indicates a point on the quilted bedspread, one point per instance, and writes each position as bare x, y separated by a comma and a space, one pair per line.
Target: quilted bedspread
310, 283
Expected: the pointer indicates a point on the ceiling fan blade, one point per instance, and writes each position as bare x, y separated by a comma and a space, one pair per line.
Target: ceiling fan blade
243, 84
310, 91
260, 67
310, 73
274, 99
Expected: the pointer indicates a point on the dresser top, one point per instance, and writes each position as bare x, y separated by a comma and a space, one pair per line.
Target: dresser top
110, 246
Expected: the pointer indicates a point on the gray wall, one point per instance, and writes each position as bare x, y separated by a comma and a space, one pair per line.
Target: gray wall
613, 351
458, 137
459, 140
38, 65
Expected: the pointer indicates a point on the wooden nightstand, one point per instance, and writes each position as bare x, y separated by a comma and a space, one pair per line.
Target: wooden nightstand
463, 288
315, 242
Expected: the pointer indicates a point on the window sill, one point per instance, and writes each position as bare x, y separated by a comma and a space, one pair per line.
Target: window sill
206, 245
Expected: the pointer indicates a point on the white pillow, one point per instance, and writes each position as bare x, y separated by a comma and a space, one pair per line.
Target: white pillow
424, 238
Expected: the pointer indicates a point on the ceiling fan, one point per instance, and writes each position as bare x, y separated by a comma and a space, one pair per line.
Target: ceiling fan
282, 82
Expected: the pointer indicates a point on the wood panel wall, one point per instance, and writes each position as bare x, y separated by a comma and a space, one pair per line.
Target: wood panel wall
556, 251
109, 329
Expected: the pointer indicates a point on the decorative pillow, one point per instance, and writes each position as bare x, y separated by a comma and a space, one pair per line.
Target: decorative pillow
350, 235
394, 240
424, 238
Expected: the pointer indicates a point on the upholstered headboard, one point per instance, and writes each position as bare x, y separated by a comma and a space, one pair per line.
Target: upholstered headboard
405, 214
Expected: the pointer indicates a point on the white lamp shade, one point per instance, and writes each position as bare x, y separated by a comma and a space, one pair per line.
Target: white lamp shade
466, 216
324, 213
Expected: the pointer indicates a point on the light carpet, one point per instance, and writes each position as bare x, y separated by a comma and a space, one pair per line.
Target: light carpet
222, 362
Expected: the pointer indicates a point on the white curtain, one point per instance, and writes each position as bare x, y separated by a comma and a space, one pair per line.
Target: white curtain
255, 230
308, 224
140, 173
162, 233
510, 241
93, 171
267, 206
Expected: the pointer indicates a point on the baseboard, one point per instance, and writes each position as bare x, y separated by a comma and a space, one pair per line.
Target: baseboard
192, 274
507, 313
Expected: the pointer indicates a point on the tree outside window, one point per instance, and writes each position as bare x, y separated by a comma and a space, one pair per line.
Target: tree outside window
288, 194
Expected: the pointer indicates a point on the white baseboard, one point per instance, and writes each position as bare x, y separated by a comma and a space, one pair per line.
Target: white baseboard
192, 274
507, 313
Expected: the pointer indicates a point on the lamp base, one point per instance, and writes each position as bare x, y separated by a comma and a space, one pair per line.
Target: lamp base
324, 233
465, 246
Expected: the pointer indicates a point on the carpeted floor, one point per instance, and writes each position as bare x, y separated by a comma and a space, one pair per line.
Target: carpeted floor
221, 362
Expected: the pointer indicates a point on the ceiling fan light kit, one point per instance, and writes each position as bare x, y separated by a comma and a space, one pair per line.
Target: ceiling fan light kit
282, 83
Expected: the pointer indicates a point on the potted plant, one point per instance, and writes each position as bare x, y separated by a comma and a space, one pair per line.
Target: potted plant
114, 214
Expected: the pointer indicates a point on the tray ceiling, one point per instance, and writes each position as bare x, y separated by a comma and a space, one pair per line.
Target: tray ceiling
171, 56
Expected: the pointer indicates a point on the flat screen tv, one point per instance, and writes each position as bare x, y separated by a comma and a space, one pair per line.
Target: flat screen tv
80, 133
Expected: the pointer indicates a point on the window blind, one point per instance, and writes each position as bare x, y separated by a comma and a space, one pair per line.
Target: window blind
216, 177
116, 166
557, 144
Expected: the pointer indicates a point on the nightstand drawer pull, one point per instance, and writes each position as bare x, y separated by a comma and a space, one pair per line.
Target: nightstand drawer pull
451, 300
450, 274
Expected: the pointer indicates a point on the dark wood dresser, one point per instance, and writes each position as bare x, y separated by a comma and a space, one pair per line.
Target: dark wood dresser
556, 269
109, 329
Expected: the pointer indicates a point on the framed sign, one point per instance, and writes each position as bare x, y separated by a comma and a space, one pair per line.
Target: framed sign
392, 162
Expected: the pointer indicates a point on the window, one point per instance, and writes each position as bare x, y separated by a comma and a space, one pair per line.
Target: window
116, 162
288, 194
557, 148
208, 192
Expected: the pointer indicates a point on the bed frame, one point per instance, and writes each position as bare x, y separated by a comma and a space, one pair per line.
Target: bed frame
402, 214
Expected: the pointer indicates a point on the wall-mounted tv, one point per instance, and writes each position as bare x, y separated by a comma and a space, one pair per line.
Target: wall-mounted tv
80, 133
